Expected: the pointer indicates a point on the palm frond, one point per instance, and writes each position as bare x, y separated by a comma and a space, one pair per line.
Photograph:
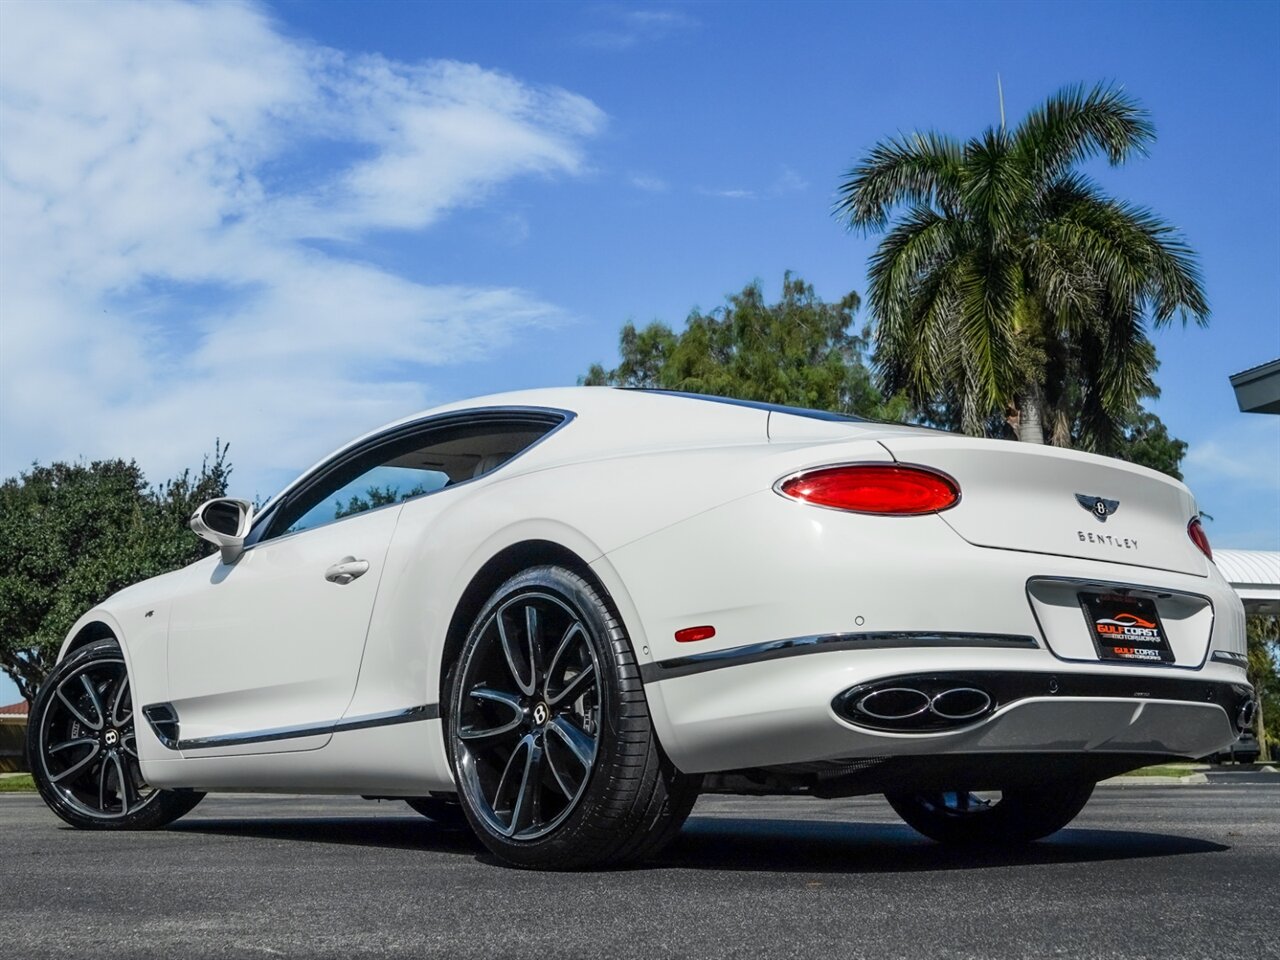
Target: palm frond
1136, 255
922, 241
920, 168
1074, 125
995, 188
990, 289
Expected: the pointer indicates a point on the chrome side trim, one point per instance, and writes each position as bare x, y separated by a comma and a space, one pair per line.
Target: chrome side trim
824, 643
165, 715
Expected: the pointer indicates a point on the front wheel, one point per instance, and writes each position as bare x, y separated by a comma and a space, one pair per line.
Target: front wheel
83, 750
1014, 816
549, 733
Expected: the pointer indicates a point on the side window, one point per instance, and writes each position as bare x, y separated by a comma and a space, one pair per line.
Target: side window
379, 486
407, 464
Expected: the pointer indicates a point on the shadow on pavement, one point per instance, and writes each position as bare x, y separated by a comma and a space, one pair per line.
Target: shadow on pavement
792, 846
399, 833
728, 843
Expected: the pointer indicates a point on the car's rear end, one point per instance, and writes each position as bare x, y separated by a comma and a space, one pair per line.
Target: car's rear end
896, 608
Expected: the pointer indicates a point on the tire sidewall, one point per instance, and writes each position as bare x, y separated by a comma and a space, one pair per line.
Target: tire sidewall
161, 808
604, 634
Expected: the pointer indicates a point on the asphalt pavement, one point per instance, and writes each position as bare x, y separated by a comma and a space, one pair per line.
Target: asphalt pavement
1146, 871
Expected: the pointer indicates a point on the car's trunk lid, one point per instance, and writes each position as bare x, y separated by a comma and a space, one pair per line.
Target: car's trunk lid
1041, 499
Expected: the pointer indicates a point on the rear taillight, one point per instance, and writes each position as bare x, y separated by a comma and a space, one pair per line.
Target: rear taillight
1201, 539
883, 488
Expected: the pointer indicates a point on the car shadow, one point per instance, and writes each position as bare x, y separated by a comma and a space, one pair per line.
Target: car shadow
732, 843
397, 833
824, 846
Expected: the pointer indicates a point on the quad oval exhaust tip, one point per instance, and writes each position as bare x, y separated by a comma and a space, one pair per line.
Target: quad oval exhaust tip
1247, 714
920, 706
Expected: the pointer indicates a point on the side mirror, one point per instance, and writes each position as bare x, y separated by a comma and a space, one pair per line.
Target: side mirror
224, 522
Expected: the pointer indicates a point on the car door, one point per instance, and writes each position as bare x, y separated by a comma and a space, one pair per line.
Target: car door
271, 645
264, 653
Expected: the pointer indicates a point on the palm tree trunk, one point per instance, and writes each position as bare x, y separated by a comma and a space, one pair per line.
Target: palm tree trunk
1030, 422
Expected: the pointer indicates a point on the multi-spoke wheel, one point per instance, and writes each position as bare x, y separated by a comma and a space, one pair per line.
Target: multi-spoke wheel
1009, 816
549, 732
83, 747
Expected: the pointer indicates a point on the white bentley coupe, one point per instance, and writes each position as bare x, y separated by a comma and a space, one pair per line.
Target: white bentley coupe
559, 615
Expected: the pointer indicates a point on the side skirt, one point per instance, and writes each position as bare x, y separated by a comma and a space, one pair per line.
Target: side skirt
164, 722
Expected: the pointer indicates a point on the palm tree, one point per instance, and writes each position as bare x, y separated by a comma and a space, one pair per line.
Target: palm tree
1008, 283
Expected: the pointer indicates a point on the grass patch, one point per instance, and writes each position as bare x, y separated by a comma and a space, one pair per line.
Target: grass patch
17, 783
1164, 770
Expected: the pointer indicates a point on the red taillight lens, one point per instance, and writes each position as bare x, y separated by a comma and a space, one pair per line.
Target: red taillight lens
883, 488
1201, 539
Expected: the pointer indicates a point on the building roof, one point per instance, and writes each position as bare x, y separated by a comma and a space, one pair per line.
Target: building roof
1255, 575
1258, 388
18, 709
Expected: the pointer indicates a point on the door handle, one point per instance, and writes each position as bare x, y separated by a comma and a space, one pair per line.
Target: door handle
346, 570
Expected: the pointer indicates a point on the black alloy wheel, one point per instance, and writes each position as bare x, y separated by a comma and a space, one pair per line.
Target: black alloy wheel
82, 746
549, 731
1014, 816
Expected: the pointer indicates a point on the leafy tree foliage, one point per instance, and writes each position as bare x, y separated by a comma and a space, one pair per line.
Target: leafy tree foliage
1264, 673
1010, 286
1147, 441
798, 351
72, 534
375, 496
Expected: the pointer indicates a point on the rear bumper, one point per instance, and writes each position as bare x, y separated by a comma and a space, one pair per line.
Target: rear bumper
862, 599
798, 710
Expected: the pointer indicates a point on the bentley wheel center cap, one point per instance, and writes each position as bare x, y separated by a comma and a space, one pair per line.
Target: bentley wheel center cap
111, 738
541, 713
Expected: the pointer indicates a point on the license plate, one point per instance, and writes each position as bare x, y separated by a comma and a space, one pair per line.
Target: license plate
1126, 628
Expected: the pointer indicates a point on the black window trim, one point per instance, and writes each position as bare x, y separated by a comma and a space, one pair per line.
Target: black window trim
764, 406
558, 418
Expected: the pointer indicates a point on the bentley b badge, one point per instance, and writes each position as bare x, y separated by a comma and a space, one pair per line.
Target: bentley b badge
1099, 507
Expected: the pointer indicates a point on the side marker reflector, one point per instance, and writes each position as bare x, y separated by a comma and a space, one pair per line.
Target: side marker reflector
690, 634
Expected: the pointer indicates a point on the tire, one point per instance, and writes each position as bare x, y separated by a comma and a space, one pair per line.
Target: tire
549, 732
446, 813
82, 747
1019, 816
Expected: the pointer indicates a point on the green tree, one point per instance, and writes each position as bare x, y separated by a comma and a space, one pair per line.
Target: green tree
799, 351
373, 497
1147, 441
1263, 634
1009, 285
73, 534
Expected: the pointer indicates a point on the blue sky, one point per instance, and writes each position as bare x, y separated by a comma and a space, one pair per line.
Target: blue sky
284, 224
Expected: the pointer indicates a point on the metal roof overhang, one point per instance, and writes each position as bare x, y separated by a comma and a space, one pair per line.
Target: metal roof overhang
1258, 388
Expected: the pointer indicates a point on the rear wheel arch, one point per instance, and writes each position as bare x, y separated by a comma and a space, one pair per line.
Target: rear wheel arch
496, 571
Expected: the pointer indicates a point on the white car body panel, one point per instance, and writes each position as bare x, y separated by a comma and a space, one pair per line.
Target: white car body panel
670, 501
268, 642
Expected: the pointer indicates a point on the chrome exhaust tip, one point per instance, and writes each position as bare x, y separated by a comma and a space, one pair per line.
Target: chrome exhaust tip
1247, 714
914, 705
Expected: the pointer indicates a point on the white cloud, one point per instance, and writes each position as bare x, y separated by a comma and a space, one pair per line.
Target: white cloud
647, 183
620, 28
789, 181
164, 167
1246, 451
733, 194
1239, 465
